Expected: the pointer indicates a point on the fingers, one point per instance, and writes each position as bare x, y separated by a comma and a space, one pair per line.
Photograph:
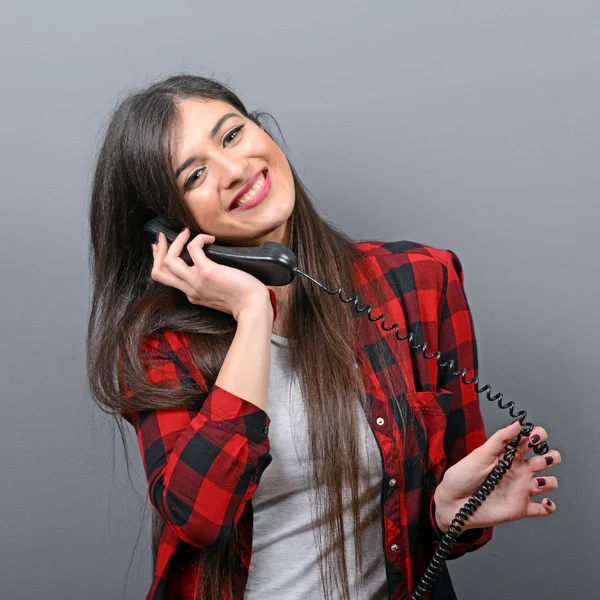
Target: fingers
172, 259
170, 269
195, 250
541, 485
496, 443
165, 269
543, 509
537, 435
540, 463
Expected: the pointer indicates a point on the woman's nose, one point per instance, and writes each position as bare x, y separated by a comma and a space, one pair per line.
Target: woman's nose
233, 171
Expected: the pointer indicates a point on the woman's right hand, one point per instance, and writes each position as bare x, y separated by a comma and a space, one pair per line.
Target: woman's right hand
205, 282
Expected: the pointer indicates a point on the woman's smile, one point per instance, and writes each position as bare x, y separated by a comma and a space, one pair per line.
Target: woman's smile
256, 194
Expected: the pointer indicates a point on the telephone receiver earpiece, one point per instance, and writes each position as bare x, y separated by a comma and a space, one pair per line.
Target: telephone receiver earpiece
271, 263
275, 264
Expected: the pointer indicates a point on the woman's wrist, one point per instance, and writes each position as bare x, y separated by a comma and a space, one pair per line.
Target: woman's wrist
439, 521
444, 512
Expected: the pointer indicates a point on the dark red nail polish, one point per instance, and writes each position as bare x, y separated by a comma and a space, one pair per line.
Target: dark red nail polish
157, 237
549, 460
534, 439
541, 481
549, 502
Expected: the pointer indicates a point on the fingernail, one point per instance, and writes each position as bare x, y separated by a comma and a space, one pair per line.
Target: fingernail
549, 460
549, 502
183, 230
157, 237
534, 439
541, 481
517, 419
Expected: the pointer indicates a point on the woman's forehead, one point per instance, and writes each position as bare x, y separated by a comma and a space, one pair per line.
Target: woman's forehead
198, 112
196, 119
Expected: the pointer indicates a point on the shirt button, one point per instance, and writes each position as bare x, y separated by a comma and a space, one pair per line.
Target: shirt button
394, 547
380, 421
392, 482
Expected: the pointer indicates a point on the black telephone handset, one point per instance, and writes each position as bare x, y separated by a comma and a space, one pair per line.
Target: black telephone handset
271, 263
274, 264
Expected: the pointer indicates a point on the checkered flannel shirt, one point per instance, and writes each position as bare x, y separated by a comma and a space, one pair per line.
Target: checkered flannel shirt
204, 466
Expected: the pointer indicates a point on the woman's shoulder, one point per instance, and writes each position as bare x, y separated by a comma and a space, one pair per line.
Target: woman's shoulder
409, 255
421, 274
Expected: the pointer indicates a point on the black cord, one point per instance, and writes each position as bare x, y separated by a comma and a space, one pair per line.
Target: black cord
440, 556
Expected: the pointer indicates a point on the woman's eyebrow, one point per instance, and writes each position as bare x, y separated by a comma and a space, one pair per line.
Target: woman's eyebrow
211, 136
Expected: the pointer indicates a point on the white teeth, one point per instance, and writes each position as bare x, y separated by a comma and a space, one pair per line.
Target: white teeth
252, 191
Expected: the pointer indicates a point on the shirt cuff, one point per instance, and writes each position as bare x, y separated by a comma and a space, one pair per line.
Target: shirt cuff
236, 414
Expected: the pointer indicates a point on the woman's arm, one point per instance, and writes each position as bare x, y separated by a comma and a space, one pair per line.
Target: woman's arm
203, 467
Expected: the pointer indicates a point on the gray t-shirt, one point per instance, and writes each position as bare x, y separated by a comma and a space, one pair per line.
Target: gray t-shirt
284, 561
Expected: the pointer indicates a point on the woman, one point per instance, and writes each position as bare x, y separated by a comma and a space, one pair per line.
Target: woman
274, 423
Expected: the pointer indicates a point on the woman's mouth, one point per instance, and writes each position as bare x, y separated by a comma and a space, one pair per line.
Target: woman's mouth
256, 194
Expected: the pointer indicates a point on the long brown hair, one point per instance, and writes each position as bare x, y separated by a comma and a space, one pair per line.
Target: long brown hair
132, 183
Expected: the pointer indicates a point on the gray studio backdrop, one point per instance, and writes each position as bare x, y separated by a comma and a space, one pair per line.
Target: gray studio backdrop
464, 125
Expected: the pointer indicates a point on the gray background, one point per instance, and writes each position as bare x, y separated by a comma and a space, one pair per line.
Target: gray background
464, 125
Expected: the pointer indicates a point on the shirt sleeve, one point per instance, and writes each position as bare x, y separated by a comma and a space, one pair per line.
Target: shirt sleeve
465, 428
202, 466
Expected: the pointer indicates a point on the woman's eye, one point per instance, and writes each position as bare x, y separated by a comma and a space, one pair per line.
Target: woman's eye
231, 134
194, 176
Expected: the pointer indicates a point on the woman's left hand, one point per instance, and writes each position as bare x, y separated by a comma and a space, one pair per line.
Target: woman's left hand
511, 498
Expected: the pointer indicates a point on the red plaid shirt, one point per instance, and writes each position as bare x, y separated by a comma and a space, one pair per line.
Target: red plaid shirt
203, 467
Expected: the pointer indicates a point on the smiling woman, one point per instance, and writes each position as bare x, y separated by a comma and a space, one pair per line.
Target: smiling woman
228, 165
310, 459
192, 349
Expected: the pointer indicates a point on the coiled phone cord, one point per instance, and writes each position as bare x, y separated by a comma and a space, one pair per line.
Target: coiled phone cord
440, 556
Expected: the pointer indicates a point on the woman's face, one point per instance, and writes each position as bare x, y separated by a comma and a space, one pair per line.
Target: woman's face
221, 157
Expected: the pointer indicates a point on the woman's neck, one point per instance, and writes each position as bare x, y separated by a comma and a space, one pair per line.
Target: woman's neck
282, 294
